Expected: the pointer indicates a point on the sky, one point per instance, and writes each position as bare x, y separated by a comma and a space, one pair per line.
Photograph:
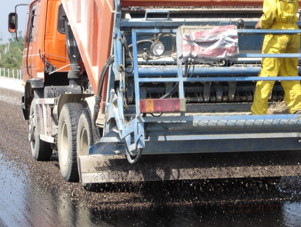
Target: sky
8, 6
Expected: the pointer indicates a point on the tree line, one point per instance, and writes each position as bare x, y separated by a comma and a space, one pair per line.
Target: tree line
11, 52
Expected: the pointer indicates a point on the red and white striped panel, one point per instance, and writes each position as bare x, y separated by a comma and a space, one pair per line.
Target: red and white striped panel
213, 44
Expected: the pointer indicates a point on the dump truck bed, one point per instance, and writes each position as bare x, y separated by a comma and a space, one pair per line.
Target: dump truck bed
92, 25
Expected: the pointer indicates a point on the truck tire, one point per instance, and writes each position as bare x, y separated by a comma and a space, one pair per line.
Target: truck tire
84, 133
41, 150
85, 137
67, 132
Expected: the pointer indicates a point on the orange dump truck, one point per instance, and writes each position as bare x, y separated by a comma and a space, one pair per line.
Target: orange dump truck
132, 90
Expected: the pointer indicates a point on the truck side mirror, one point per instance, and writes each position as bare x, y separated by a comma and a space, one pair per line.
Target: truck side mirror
12, 22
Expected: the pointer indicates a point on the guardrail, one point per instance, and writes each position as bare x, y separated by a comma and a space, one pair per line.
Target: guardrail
11, 73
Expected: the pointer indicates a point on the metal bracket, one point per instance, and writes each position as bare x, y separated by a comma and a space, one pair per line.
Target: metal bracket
132, 132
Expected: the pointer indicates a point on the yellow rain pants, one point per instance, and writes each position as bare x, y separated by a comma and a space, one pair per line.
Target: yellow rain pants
279, 15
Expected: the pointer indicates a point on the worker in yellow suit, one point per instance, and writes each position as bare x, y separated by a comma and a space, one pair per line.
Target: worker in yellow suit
278, 14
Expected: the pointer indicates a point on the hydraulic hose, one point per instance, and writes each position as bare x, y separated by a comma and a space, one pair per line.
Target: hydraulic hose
173, 40
98, 97
174, 89
133, 160
129, 155
142, 41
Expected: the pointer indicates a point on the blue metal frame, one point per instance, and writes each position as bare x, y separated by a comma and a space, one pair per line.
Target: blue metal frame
239, 31
204, 71
171, 134
141, 23
136, 73
217, 79
268, 31
208, 71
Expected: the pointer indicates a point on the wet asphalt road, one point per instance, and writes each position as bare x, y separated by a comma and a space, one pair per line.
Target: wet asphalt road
34, 194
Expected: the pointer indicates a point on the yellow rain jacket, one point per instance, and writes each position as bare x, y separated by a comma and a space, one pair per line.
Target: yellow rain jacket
279, 14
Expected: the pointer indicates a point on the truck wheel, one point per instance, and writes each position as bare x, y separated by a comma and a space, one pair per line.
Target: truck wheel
85, 137
84, 133
41, 150
67, 131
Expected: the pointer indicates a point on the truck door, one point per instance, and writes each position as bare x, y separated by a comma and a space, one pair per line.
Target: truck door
30, 54
55, 39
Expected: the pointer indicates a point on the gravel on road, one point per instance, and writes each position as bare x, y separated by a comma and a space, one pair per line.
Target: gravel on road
14, 148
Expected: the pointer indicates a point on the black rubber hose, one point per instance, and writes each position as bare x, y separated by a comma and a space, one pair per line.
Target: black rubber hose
129, 156
172, 91
141, 41
161, 35
135, 159
98, 95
